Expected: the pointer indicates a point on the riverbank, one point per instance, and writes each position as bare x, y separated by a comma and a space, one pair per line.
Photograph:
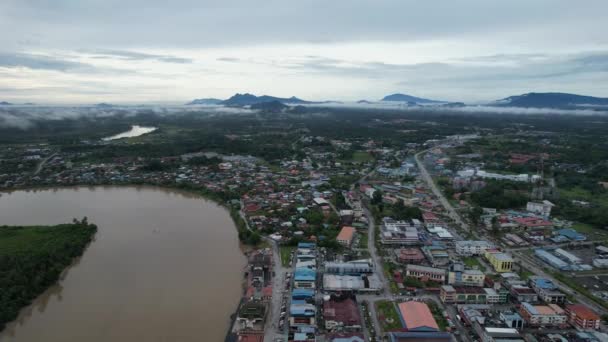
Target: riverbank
33, 258
244, 234
160, 234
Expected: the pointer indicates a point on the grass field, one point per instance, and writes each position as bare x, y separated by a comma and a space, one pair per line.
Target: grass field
363, 241
473, 262
591, 232
581, 194
359, 157
362, 156
388, 316
285, 252
438, 315
525, 274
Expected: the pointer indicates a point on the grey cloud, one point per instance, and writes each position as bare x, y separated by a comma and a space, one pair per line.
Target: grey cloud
26, 117
55, 62
470, 109
229, 59
133, 56
43, 62
204, 23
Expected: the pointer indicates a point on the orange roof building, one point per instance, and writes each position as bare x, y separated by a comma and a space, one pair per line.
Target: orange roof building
346, 236
581, 316
416, 316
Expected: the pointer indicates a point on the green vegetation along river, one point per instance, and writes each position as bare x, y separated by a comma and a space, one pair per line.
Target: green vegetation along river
163, 266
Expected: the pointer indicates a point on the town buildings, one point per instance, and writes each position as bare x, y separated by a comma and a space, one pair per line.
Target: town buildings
399, 232
502, 262
459, 276
425, 273
472, 295
346, 236
541, 208
582, 317
543, 315
409, 255
547, 291
418, 324
471, 248
341, 314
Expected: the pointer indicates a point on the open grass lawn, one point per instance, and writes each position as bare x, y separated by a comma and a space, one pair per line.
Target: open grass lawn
362, 156
359, 157
525, 274
581, 194
592, 232
388, 316
285, 252
473, 262
438, 315
364, 240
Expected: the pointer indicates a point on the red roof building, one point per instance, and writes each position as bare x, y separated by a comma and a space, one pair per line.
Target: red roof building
429, 217
581, 316
346, 236
250, 337
341, 315
416, 316
409, 255
533, 223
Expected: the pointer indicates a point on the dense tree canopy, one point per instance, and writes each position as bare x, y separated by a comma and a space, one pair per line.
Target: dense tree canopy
32, 258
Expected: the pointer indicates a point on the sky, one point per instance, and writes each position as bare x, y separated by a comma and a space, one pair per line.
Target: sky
150, 51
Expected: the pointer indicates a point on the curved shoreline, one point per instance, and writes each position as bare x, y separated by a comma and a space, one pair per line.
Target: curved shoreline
234, 214
186, 191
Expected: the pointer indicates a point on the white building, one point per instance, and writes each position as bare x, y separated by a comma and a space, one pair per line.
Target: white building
541, 208
369, 192
470, 247
524, 177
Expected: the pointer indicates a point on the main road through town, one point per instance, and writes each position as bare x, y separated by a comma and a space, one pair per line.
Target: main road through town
444, 202
271, 330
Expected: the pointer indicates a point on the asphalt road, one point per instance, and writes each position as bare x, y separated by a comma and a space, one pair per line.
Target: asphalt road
272, 331
444, 202
373, 251
42, 162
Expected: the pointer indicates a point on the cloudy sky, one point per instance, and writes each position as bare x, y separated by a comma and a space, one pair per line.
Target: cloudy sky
134, 51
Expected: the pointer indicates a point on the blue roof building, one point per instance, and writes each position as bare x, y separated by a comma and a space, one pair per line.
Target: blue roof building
302, 293
542, 283
309, 245
305, 274
551, 259
302, 310
572, 234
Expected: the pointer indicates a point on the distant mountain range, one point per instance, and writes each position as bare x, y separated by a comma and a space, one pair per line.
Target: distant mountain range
206, 101
104, 105
530, 100
270, 106
250, 99
238, 100
408, 98
552, 100
4, 103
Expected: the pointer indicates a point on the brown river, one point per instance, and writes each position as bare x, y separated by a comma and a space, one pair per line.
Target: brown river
164, 266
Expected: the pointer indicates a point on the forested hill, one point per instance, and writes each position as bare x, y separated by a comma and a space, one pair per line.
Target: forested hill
32, 259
